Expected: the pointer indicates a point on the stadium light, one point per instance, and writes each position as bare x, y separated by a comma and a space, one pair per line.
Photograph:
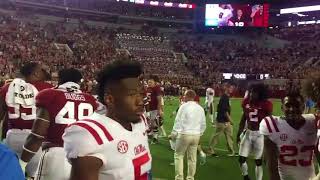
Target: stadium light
300, 9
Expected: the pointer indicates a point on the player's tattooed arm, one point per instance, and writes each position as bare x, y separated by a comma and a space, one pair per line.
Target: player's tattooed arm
37, 135
85, 168
241, 127
271, 156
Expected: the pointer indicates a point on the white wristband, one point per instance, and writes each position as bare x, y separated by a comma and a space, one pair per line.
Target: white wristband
28, 150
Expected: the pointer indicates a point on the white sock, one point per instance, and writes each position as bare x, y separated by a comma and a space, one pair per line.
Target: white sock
202, 153
163, 131
211, 118
259, 172
244, 169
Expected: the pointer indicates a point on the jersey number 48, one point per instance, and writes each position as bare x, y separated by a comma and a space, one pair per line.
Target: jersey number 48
71, 112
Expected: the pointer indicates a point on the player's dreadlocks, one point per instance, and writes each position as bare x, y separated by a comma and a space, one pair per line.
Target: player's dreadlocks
311, 87
261, 89
114, 72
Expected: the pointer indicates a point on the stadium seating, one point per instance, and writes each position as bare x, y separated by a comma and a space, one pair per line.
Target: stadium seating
206, 59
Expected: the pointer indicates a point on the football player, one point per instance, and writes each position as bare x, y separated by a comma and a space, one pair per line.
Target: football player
311, 88
17, 106
209, 103
289, 141
155, 108
115, 146
255, 108
57, 108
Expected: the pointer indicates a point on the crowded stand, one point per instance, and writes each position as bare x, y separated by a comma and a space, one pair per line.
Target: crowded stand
298, 33
89, 82
125, 9
87, 48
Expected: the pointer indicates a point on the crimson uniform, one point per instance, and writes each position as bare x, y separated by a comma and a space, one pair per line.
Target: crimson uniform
65, 106
152, 110
252, 141
19, 119
153, 93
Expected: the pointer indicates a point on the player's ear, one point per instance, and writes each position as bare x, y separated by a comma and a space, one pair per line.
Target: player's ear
108, 100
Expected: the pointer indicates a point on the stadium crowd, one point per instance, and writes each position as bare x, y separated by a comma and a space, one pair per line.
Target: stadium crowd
298, 33
177, 61
89, 48
227, 56
125, 8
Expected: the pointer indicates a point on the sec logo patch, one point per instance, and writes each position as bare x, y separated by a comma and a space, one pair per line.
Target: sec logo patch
283, 137
122, 147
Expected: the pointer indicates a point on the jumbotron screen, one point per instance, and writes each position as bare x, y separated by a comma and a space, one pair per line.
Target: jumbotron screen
239, 15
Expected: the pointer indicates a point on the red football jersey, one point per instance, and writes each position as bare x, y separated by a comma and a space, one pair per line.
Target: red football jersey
153, 93
64, 108
19, 117
254, 113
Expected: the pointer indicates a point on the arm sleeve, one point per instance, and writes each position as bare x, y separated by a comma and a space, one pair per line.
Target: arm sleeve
203, 122
263, 129
78, 142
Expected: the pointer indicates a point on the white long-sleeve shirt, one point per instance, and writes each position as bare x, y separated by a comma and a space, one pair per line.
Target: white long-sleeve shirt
190, 119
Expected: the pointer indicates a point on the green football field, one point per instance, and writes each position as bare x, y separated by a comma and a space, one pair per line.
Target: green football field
221, 167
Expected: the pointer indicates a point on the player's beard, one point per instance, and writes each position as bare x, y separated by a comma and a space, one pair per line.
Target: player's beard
135, 120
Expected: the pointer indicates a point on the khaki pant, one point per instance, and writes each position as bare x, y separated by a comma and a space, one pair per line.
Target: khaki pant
186, 143
227, 130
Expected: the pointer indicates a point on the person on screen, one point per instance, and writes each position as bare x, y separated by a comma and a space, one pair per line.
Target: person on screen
257, 16
238, 20
225, 13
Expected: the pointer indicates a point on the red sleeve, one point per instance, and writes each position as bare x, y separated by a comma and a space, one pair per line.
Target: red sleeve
3, 91
243, 103
94, 102
44, 98
268, 107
